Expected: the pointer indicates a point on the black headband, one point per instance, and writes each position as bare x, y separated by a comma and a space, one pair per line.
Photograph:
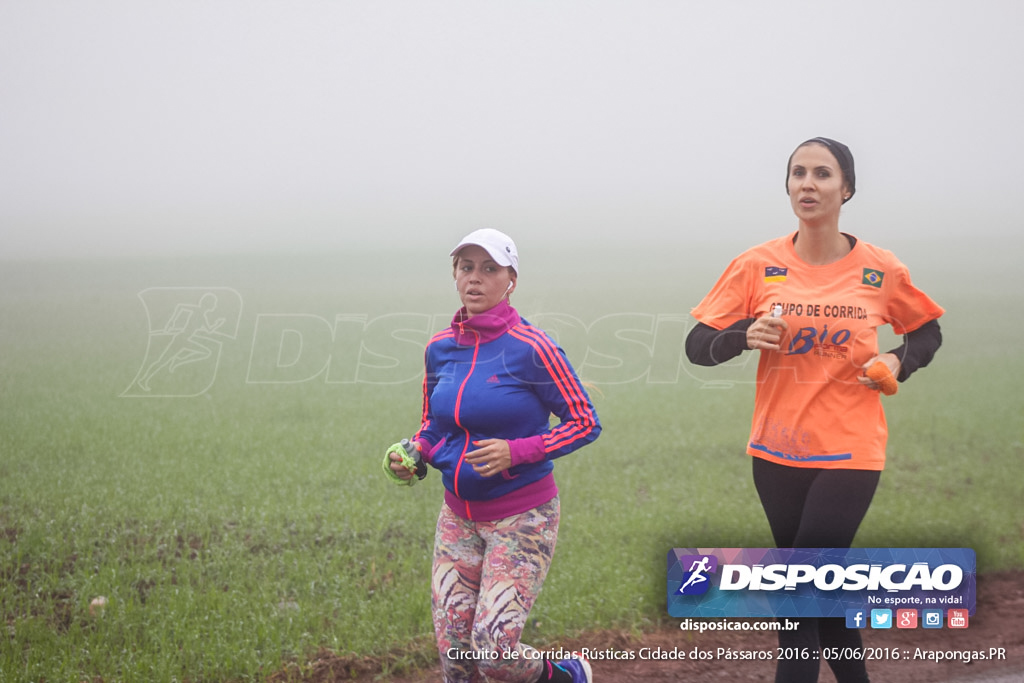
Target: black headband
842, 154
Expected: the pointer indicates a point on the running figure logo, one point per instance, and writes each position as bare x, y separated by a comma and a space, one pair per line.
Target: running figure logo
696, 580
187, 330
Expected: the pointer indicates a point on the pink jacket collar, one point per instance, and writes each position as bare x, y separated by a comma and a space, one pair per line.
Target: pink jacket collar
486, 326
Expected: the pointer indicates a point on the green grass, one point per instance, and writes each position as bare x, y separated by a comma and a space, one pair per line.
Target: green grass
245, 528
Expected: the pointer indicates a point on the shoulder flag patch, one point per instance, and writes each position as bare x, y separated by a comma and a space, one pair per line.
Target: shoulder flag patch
872, 277
775, 274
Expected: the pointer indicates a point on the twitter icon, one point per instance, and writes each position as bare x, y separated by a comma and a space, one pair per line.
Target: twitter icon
881, 618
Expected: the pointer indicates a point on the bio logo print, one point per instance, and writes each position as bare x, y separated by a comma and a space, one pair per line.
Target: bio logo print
807, 337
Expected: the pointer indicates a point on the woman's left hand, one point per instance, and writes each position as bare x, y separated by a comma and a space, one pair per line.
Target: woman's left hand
891, 361
491, 457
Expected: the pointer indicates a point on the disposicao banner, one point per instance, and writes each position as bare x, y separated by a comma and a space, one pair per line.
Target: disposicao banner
818, 582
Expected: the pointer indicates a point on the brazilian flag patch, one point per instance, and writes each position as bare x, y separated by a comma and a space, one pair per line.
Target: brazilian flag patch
872, 277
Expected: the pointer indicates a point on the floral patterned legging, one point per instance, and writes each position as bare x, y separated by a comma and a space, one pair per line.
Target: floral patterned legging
486, 578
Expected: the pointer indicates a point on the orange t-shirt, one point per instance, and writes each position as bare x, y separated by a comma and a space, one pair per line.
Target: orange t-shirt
809, 408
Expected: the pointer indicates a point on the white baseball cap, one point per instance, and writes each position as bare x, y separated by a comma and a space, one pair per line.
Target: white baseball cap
496, 243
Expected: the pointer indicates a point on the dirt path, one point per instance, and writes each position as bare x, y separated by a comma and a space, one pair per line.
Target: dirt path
998, 623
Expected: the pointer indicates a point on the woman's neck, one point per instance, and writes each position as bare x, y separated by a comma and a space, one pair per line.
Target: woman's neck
820, 246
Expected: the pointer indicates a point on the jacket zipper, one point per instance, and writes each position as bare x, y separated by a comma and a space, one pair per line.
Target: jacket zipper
458, 416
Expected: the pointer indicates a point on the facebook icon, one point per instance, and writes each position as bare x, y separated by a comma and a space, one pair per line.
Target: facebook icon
856, 618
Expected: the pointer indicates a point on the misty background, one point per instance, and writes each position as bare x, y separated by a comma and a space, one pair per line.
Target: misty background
160, 128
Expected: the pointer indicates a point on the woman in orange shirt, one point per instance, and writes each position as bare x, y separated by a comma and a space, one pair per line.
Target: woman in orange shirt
811, 303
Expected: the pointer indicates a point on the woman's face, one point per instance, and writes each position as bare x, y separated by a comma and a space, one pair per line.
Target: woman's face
481, 282
816, 184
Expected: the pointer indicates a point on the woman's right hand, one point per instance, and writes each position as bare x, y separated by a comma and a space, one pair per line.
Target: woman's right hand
766, 333
398, 468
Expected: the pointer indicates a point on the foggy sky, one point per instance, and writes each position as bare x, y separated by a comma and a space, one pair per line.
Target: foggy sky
152, 127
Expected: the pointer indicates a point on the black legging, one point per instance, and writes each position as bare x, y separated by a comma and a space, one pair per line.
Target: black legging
815, 508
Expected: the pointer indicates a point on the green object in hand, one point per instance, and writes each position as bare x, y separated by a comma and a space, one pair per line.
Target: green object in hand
411, 460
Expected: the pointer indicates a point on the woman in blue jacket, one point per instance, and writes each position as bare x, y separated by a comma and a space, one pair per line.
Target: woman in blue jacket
492, 382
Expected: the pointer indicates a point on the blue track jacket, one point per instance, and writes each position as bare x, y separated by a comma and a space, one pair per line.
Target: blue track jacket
495, 376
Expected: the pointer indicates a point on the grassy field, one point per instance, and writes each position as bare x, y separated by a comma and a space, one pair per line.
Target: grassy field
233, 514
